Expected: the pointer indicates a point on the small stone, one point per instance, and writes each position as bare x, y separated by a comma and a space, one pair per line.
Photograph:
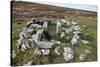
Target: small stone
45, 52
84, 54
68, 53
37, 52
13, 54
62, 34
85, 42
29, 63
57, 50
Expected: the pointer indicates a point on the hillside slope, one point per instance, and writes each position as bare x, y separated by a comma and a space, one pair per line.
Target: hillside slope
22, 9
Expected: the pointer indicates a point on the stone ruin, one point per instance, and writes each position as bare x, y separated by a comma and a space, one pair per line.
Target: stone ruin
36, 33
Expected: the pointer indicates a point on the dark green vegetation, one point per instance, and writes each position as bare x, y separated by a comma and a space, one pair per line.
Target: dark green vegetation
24, 57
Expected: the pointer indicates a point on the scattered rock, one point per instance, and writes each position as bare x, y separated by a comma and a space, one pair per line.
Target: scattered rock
84, 54
68, 54
57, 50
75, 40
74, 23
29, 63
37, 52
58, 27
62, 34
85, 42
45, 44
45, 25
13, 54
56, 42
76, 32
45, 52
